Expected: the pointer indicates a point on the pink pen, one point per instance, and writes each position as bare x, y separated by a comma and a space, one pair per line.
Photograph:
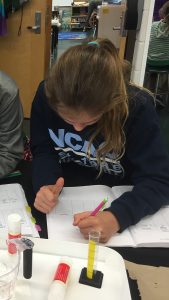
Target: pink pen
95, 211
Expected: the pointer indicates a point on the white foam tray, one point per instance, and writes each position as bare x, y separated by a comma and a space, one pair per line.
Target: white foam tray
46, 256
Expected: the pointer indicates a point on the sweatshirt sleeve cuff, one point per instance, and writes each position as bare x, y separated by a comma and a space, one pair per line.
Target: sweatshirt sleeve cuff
121, 214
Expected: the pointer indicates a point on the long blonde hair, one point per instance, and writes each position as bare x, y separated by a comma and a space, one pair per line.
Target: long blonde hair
89, 78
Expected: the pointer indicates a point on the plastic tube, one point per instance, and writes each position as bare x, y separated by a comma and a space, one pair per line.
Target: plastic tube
94, 237
57, 289
27, 258
26, 246
14, 231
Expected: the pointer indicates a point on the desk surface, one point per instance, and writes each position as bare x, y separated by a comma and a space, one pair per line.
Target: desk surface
146, 256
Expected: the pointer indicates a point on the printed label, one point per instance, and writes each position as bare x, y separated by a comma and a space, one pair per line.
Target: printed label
62, 272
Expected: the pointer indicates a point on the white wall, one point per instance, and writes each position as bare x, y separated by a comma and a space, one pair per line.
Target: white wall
61, 3
142, 43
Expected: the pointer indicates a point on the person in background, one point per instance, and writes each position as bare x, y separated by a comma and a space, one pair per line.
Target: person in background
89, 126
11, 118
157, 5
93, 7
158, 52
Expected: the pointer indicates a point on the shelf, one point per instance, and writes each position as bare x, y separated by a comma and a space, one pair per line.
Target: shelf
81, 20
79, 16
86, 5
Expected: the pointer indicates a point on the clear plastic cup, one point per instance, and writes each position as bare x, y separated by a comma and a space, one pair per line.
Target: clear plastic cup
9, 267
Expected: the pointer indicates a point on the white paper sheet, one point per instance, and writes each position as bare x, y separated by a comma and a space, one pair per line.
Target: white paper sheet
12, 200
151, 231
78, 199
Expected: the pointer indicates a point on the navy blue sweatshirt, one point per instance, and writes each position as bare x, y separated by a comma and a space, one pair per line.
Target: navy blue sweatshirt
145, 163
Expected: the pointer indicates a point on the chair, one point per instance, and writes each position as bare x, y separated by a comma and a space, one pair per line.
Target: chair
154, 77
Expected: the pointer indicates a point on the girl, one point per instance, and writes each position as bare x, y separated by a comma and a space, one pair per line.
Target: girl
158, 52
90, 126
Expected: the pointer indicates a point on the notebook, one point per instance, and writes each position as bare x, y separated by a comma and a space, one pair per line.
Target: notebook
151, 231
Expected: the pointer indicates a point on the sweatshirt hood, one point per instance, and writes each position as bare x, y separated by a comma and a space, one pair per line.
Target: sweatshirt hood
162, 29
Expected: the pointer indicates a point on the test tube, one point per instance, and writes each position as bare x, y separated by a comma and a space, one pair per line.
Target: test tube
94, 237
14, 231
27, 258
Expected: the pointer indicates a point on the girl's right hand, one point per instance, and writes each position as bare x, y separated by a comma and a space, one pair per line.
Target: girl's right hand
104, 222
47, 196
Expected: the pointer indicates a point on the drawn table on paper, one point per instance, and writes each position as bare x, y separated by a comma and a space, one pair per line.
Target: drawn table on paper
12, 200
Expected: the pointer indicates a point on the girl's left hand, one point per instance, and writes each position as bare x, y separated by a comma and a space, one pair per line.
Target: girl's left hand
104, 222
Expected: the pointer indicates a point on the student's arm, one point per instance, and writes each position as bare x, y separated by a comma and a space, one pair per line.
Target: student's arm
11, 118
46, 168
147, 167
